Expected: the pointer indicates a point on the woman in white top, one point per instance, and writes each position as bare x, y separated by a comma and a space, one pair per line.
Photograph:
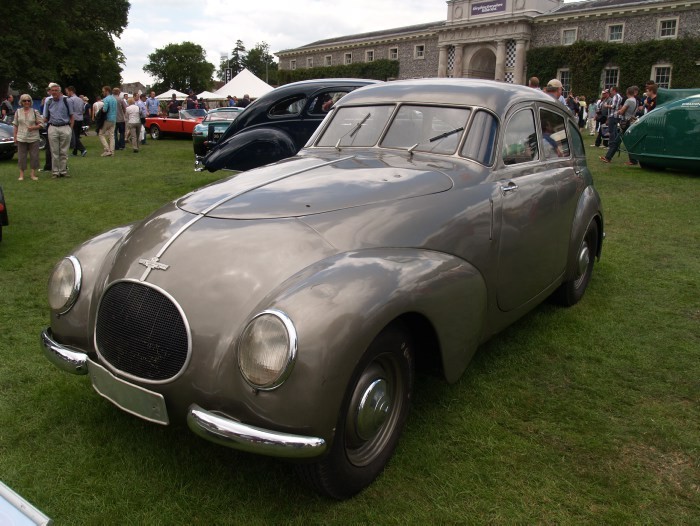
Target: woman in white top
27, 123
133, 124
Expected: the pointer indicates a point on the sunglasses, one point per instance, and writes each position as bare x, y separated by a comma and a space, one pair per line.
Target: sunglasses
25, 100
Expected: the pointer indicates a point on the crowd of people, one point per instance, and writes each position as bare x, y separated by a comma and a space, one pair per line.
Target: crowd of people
607, 118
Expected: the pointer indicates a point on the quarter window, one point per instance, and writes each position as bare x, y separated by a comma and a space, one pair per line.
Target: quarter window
480, 144
554, 141
520, 139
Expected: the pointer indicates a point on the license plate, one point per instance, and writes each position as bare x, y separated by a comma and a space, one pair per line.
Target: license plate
128, 397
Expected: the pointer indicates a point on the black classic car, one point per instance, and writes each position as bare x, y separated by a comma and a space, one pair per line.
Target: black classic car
278, 124
7, 142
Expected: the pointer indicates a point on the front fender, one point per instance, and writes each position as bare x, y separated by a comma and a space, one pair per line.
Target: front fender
249, 149
339, 305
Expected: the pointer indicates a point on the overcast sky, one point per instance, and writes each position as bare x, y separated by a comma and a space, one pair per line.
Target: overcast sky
217, 24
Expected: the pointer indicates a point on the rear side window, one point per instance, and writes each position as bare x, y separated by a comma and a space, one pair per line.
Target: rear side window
554, 141
323, 102
520, 139
289, 106
480, 144
576, 141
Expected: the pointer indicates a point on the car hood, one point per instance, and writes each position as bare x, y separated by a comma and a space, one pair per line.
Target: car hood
303, 186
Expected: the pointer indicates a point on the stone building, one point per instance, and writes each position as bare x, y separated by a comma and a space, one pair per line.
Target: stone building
489, 38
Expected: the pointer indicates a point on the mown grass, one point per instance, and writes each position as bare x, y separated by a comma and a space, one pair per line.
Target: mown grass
584, 415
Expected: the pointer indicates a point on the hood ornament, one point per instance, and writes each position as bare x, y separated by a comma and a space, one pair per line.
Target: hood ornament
153, 263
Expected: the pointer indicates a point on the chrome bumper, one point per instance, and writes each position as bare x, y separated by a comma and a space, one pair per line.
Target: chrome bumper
210, 426
63, 357
236, 435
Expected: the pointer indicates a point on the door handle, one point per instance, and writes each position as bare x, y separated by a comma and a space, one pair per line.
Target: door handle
510, 187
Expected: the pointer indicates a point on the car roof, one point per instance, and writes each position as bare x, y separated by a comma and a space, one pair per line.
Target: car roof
493, 95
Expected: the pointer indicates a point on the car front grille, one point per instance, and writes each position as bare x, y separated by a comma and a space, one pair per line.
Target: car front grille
140, 332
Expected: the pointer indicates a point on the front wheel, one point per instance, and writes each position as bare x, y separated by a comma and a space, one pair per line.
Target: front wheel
570, 292
374, 412
155, 132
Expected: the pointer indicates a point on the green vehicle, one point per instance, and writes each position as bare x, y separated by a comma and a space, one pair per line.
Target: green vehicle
668, 136
220, 119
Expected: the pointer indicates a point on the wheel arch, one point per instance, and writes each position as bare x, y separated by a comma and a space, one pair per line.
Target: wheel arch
588, 209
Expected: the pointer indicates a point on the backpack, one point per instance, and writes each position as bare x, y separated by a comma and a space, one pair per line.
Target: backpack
48, 108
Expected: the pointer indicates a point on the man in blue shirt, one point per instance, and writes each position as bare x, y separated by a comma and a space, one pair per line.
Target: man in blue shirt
152, 105
107, 131
59, 118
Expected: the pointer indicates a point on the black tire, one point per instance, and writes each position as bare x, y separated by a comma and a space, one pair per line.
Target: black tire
570, 292
155, 132
6, 156
365, 440
653, 168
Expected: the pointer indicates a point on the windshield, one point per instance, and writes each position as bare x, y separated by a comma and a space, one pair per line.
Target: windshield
193, 114
436, 129
221, 116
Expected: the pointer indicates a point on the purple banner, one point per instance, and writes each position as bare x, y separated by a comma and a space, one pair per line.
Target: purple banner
486, 8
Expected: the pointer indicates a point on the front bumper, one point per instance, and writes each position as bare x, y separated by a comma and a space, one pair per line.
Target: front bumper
210, 426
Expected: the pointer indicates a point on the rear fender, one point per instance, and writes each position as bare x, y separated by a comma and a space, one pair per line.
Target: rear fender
250, 149
588, 209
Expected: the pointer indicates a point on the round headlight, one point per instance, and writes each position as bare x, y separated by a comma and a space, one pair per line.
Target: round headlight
267, 349
64, 284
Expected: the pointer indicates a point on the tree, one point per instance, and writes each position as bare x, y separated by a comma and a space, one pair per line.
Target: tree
180, 66
238, 55
45, 42
261, 63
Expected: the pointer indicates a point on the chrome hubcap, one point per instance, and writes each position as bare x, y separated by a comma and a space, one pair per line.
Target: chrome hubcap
373, 409
584, 258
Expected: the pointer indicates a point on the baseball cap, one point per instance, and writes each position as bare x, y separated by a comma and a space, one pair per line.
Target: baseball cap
554, 84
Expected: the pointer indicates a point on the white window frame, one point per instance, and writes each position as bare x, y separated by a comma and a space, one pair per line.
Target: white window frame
617, 76
309, 62
656, 67
419, 51
622, 34
348, 58
293, 64
564, 30
328, 60
660, 23
393, 53
369, 55
566, 88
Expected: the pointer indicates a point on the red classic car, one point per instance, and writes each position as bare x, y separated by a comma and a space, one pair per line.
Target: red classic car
183, 125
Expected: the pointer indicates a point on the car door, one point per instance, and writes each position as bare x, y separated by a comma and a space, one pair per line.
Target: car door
528, 251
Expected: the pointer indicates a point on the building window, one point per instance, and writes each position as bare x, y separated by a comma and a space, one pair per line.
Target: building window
568, 36
309, 62
611, 76
662, 75
615, 32
564, 76
292, 64
369, 56
668, 28
348, 58
328, 60
394, 53
419, 51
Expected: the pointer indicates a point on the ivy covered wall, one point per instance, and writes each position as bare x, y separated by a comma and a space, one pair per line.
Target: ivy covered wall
383, 69
587, 60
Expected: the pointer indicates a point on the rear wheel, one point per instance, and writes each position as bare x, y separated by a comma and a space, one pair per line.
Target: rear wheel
372, 418
570, 292
155, 132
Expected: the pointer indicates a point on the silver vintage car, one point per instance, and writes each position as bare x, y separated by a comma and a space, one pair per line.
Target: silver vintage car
283, 311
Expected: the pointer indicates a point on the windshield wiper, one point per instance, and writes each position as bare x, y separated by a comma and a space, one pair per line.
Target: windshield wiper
446, 134
354, 130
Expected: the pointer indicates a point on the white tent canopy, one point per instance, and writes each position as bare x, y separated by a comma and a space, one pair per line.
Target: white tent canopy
208, 95
244, 83
169, 95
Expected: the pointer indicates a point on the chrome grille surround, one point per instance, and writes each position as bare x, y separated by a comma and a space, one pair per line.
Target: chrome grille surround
142, 333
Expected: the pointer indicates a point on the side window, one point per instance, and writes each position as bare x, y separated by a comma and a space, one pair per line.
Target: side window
554, 141
323, 102
480, 144
286, 107
520, 139
576, 141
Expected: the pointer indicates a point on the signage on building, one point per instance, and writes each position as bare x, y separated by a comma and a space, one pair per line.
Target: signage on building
487, 8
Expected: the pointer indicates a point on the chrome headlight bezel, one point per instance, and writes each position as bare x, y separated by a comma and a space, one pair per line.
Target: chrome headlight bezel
68, 296
249, 349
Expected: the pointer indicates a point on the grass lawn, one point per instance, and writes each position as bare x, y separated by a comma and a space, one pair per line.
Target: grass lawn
583, 415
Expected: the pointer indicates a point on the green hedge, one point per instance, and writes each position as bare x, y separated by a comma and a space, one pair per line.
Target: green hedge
587, 60
383, 69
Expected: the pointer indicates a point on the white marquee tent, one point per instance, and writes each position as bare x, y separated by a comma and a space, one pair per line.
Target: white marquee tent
244, 83
169, 95
208, 95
